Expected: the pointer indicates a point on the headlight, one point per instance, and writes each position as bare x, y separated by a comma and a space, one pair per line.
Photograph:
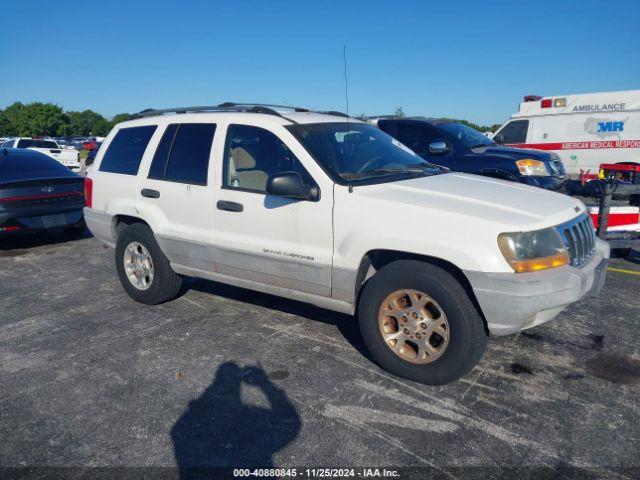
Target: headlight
533, 251
531, 167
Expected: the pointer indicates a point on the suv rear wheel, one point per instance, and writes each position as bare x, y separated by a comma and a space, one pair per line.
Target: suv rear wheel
419, 323
144, 270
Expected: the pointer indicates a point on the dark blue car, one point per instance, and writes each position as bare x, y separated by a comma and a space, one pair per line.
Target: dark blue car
464, 149
37, 193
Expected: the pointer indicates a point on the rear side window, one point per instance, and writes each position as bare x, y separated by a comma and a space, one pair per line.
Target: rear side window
49, 144
126, 149
183, 153
515, 132
26, 143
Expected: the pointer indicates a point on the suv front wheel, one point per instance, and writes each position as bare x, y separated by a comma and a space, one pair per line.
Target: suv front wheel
144, 270
419, 323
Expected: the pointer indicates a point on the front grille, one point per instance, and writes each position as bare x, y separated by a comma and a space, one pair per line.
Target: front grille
579, 238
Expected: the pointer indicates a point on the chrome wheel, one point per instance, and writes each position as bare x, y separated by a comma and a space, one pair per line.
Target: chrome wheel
414, 326
138, 265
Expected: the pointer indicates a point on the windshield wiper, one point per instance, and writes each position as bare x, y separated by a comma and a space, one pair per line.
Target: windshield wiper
380, 171
431, 165
492, 144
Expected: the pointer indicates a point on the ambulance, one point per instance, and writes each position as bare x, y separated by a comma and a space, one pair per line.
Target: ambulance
585, 130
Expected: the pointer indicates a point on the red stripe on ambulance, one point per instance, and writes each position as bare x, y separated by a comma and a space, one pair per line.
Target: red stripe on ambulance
589, 145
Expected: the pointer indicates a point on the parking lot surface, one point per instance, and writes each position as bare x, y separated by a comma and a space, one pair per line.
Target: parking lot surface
228, 377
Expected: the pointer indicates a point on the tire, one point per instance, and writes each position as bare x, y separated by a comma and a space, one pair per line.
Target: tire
159, 283
467, 337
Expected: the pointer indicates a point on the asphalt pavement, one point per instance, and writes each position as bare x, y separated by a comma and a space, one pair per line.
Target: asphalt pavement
226, 377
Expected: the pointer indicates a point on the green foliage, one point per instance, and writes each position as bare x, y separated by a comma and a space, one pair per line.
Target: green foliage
480, 128
31, 119
47, 119
87, 123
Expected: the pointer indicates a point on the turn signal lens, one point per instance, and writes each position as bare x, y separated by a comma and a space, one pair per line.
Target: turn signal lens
544, 263
531, 167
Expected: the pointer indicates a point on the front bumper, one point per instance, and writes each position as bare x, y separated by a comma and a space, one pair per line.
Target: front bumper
512, 302
549, 183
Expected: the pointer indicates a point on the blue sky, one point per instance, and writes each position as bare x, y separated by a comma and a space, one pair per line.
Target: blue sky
465, 59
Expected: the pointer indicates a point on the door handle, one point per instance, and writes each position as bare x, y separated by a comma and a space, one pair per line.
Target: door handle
147, 192
229, 206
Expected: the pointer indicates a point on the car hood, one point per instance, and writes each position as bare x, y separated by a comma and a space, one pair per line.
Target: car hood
513, 153
506, 204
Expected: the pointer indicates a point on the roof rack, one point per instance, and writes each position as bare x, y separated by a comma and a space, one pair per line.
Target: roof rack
335, 113
266, 108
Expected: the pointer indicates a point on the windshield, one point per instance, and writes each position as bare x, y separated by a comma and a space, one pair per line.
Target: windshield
354, 151
469, 137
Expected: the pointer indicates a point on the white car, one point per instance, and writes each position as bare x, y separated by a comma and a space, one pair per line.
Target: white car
68, 158
332, 211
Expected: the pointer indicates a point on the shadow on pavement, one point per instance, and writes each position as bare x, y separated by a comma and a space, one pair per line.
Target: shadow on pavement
218, 430
346, 324
25, 241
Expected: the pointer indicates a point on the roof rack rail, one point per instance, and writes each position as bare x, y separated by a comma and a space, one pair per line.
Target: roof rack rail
268, 105
148, 112
266, 108
337, 114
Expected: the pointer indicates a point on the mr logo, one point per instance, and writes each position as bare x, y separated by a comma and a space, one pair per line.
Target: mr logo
610, 126
604, 127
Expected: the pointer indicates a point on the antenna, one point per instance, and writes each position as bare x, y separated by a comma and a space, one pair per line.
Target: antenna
346, 78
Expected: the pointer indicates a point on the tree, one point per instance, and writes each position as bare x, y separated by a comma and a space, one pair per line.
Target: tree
399, 112
33, 119
86, 123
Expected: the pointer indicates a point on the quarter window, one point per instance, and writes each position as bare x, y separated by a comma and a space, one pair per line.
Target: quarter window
126, 150
252, 154
515, 132
162, 152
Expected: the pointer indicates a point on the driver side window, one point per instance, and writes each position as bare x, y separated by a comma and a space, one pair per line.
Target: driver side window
417, 137
252, 154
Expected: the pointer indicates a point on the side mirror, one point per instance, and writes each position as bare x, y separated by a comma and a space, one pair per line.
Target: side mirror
498, 138
290, 185
438, 147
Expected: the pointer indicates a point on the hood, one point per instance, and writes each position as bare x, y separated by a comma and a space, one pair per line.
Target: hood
513, 153
512, 206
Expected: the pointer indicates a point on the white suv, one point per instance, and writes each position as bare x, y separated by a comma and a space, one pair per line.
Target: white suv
325, 209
